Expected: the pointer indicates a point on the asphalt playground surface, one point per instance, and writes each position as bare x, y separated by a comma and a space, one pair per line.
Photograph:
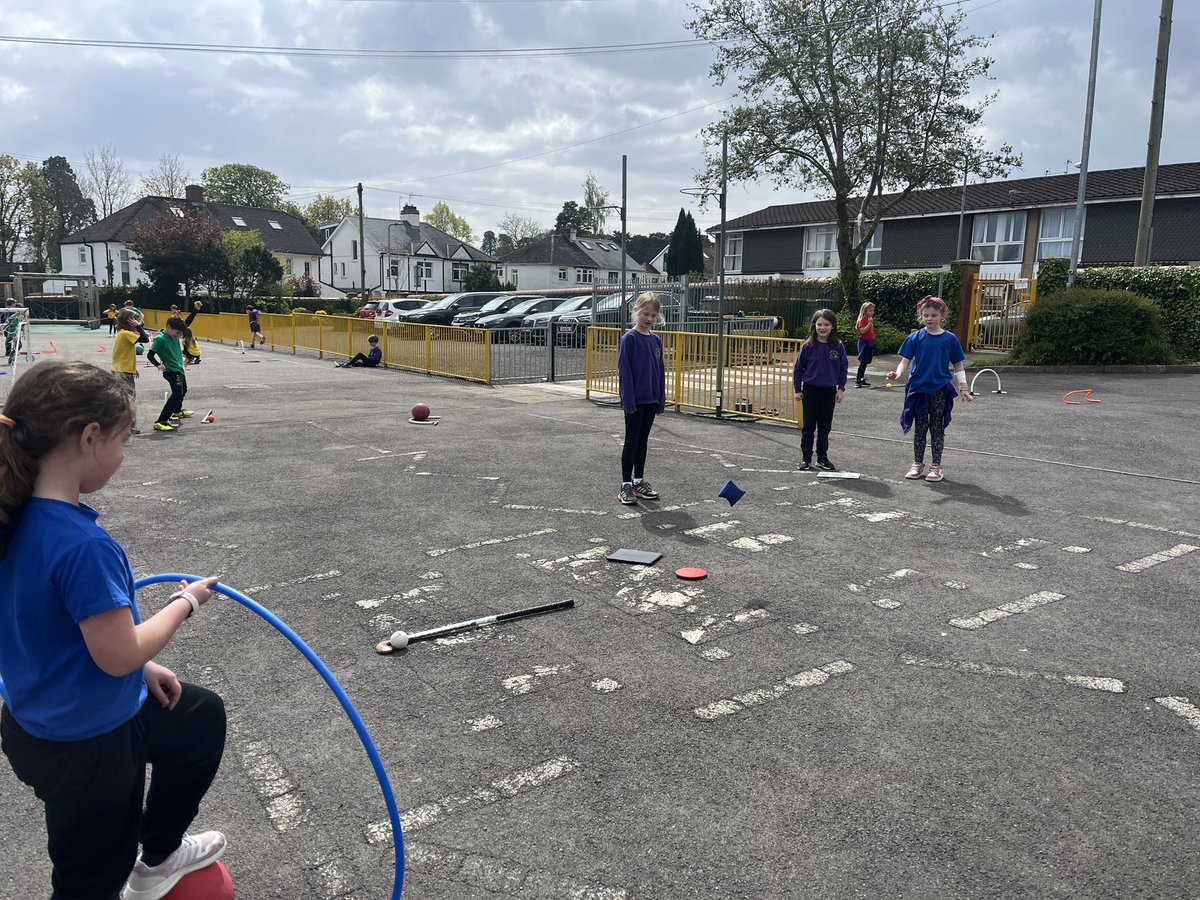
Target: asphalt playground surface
984, 688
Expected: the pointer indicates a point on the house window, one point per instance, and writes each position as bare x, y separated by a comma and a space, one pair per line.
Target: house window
124, 267
583, 276
423, 269
874, 250
83, 254
343, 272
288, 265
458, 271
614, 277
997, 237
308, 269
1056, 233
394, 267
733, 253
354, 249
562, 273
820, 247
274, 224
176, 211
239, 221
586, 245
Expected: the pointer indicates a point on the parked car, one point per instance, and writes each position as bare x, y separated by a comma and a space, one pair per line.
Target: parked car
533, 323
1000, 327
500, 304
442, 312
614, 310
389, 310
502, 323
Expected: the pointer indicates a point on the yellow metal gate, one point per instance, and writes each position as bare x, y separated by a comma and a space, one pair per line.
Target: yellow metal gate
998, 307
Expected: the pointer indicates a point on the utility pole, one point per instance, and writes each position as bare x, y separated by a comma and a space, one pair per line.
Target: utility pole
1081, 194
362, 247
624, 222
721, 275
1141, 253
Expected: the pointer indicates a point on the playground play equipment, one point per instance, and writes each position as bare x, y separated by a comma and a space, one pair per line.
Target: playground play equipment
1087, 396
54, 297
999, 388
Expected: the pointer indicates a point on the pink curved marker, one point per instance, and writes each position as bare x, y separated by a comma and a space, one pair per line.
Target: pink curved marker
1087, 395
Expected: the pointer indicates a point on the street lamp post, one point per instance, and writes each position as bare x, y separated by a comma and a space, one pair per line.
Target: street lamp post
391, 225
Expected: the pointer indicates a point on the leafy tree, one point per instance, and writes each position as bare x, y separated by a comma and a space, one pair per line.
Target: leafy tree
326, 210
504, 246
643, 247
17, 186
854, 97
481, 277
685, 253
443, 218
71, 210
246, 267
45, 225
107, 180
572, 218
167, 179
489, 243
242, 184
303, 286
175, 251
595, 198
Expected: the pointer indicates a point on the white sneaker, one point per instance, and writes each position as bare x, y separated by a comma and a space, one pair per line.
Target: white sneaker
196, 852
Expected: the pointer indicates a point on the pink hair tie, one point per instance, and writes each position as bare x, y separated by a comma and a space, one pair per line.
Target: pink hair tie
931, 300
5, 420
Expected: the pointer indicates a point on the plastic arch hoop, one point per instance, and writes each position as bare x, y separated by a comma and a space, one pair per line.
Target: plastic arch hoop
389, 797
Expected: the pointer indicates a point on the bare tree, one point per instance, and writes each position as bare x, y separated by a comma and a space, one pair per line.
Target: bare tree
167, 179
520, 229
107, 180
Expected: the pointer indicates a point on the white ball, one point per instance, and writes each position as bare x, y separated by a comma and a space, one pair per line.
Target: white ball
399, 640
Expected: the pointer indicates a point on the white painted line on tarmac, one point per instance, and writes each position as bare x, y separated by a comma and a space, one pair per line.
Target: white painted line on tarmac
898, 575
1077, 549
653, 601
485, 723
803, 628
607, 685
757, 696
711, 626
517, 685
1141, 525
318, 576
1183, 708
475, 545
458, 475
557, 509
1021, 544
715, 653
991, 614
886, 603
1090, 682
1154, 559
418, 594
503, 788
709, 530
759, 542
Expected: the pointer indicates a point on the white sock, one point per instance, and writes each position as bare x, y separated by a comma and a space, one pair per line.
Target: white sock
637, 481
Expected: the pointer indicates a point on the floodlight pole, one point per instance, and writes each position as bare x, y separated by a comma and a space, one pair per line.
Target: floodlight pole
721, 275
1081, 194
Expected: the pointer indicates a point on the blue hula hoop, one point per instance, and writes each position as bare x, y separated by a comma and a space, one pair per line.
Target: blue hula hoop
389, 797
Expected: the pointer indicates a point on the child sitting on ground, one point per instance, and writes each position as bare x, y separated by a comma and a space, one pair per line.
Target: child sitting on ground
369, 361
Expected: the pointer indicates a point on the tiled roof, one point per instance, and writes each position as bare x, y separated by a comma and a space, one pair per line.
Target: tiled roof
582, 251
407, 238
290, 237
1018, 193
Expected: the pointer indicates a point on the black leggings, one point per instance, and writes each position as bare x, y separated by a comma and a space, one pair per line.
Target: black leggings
362, 361
934, 421
637, 438
92, 789
178, 383
818, 406
866, 353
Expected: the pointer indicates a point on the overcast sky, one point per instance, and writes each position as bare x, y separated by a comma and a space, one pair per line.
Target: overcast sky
492, 134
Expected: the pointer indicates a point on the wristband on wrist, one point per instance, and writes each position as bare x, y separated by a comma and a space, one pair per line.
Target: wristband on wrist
190, 598
961, 378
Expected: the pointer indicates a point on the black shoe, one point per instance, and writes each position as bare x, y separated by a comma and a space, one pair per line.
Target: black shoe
826, 465
862, 384
805, 465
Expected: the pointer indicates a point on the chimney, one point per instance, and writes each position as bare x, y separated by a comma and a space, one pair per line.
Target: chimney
572, 234
410, 214
193, 193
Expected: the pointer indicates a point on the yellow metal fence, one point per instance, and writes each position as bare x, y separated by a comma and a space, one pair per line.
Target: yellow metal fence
757, 377
434, 349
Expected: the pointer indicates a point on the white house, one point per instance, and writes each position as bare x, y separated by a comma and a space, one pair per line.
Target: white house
403, 255
102, 249
570, 261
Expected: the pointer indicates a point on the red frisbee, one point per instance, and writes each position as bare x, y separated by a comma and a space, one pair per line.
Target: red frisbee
691, 573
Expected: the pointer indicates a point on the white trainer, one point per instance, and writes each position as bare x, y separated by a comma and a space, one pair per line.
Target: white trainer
154, 882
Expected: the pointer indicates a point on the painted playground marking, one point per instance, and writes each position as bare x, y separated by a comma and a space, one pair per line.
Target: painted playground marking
475, 545
518, 685
711, 627
803, 628
505, 875
557, 509
898, 575
1022, 544
485, 723
1183, 708
318, 576
1147, 562
759, 542
507, 786
418, 594
991, 614
757, 696
1090, 682
1142, 525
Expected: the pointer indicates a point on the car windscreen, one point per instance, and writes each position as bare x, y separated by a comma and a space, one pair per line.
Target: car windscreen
373, 305
525, 305
500, 304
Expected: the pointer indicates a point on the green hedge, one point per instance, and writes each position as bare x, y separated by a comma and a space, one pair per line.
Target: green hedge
896, 294
1176, 291
1082, 326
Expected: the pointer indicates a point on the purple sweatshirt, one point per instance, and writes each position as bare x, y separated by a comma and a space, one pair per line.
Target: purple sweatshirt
821, 366
641, 377
375, 353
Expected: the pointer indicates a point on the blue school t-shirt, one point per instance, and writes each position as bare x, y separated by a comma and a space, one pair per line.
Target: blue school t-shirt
60, 568
931, 356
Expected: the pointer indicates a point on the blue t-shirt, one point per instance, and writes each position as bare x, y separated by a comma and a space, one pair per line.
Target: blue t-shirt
61, 567
641, 377
931, 356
